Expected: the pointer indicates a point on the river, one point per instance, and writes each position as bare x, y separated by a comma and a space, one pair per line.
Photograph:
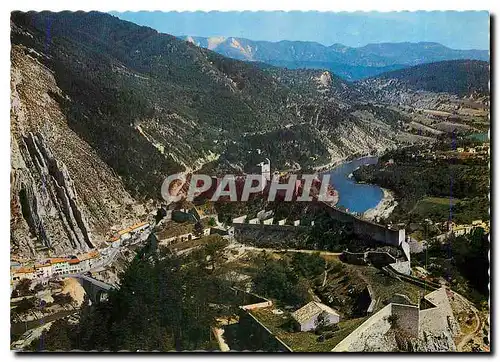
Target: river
352, 195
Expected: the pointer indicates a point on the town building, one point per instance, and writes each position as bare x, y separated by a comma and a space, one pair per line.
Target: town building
75, 266
43, 270
60, 266
23, 273
129, 232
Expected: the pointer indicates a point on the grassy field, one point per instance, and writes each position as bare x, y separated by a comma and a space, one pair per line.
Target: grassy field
304, 341
435, 208
464, 211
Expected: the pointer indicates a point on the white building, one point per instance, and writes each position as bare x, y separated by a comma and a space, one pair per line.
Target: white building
314, 313
75, 266
43, 270
59, 266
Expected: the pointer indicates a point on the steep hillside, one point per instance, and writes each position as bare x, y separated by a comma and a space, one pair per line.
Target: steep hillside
347, 62
460, 77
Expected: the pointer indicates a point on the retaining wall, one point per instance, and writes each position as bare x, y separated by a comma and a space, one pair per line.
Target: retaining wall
353, 258
361, 228
379, 258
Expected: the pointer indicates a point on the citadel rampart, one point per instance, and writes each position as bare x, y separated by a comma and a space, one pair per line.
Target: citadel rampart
363, 229
367, 229
266, 235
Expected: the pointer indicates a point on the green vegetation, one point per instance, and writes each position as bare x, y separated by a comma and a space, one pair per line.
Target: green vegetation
419, 182
287, 278
164, 303
305, 341
461, 77
308, 265
463, 211
22, 288
117, 76
277, 280
463, 261
24, 305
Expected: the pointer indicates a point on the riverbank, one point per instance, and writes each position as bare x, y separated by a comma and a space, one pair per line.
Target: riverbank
383, 209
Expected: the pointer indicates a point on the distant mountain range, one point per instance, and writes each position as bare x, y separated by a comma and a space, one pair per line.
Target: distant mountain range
348, 62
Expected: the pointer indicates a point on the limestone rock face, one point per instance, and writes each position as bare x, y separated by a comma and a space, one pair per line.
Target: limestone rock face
64, 198
45, 192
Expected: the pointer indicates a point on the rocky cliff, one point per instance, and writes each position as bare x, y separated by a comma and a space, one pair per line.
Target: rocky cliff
64, 198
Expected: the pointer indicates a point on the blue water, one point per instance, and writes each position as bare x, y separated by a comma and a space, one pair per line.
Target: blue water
353, 196
482, 137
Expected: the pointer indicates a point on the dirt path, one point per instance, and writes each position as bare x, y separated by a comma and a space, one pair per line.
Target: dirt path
305, 251
479, 324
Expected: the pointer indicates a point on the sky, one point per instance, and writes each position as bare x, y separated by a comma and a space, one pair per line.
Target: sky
458, 30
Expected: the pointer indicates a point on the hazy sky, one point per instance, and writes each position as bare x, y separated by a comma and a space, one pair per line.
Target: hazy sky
459, 30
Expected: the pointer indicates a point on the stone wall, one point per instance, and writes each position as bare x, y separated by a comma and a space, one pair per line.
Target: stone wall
353, 258
279, 236
406, 249
371, 335
379, 258
369, 230
404, 327
402, 267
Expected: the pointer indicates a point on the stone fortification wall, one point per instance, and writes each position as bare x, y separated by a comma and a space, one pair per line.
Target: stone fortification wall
367, 229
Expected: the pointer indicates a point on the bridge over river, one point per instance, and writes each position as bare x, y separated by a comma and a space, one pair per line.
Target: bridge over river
97, 290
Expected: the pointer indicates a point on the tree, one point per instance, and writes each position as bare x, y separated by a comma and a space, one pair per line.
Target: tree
59, 337
320, 322
23, 287
164, 303
278, 280
308, 265
198, 228
63, 299
215, 250
24, 305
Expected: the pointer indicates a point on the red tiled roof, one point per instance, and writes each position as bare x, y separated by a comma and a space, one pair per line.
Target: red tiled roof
58, 260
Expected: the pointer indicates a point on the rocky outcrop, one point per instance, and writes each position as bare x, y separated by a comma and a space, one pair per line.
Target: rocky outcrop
64, 198
47, 192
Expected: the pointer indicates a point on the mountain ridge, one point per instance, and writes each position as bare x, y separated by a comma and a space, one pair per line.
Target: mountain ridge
460, 77
371, 59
